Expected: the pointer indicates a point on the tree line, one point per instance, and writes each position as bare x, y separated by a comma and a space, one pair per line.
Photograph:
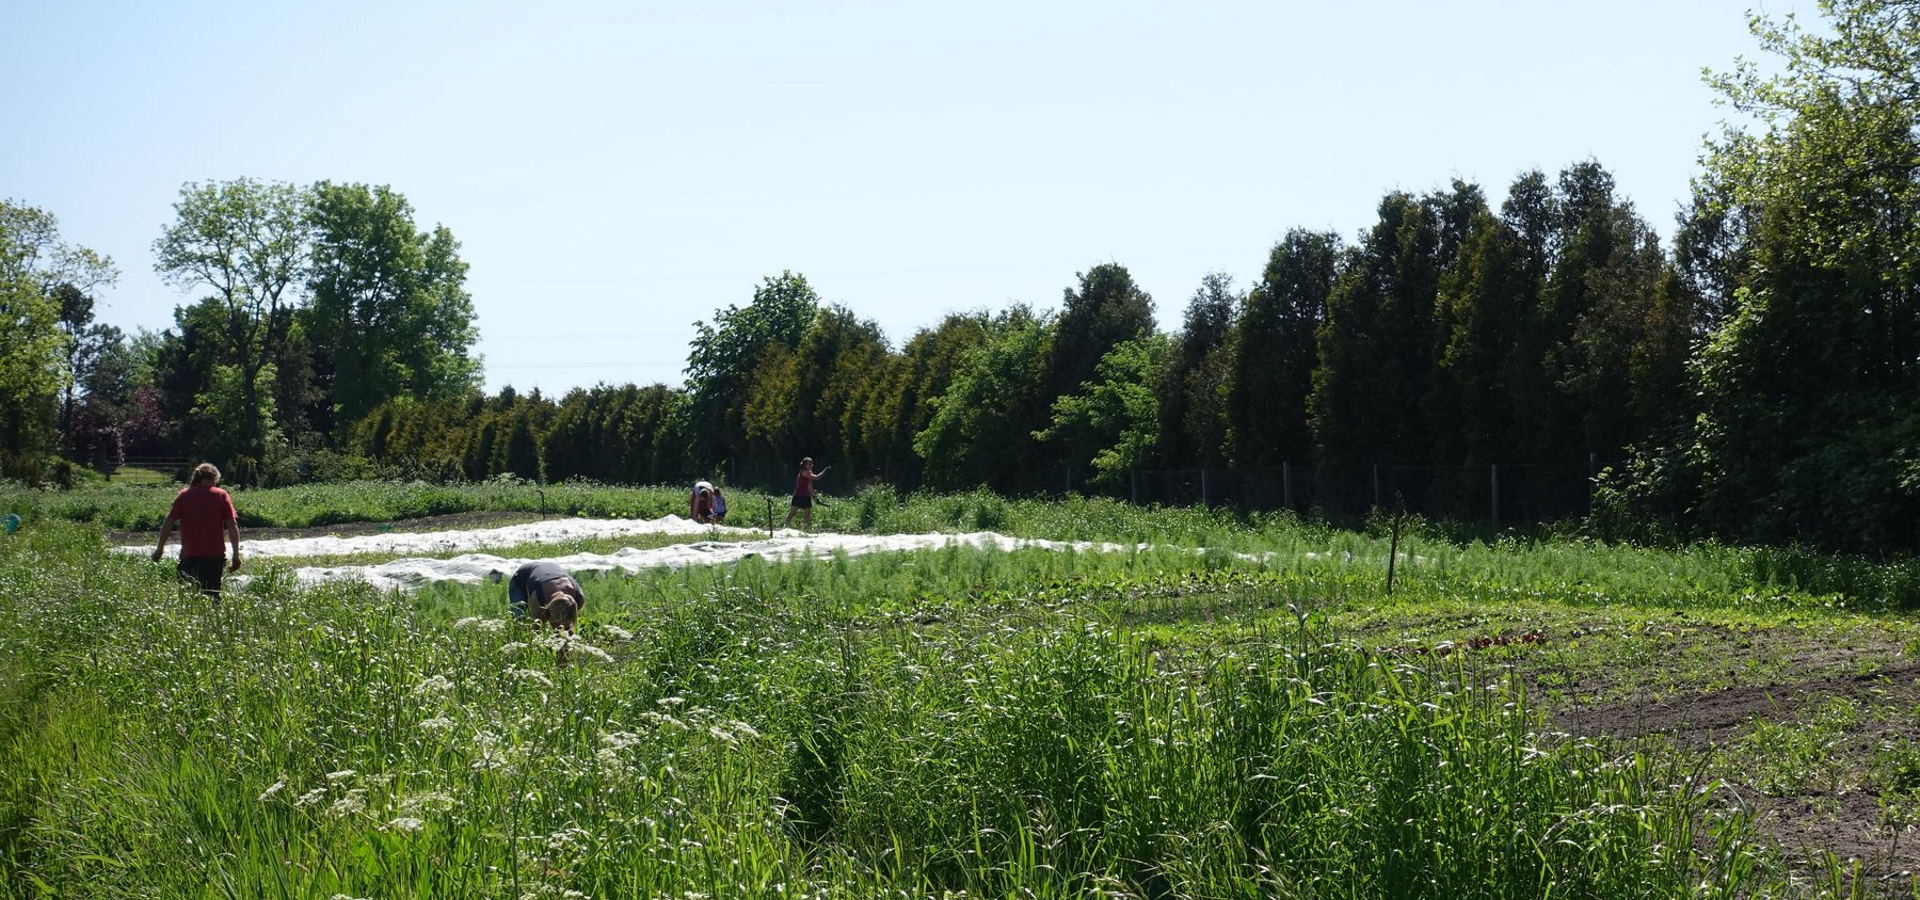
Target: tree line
1754, 377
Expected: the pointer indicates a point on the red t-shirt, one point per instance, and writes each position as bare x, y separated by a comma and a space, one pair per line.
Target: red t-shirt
803, 483
203, 514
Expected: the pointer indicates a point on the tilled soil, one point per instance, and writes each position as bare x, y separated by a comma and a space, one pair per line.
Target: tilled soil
1849, 823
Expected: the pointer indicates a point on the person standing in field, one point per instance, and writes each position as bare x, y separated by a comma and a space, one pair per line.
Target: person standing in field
203, 512
803, 494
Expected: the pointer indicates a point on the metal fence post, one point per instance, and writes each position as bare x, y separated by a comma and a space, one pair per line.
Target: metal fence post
1206, 497
1376, 485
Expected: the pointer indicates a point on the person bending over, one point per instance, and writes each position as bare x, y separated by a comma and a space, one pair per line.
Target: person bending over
546, 593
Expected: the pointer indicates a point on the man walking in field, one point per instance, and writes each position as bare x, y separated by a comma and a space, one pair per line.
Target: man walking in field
803, 494
202, 512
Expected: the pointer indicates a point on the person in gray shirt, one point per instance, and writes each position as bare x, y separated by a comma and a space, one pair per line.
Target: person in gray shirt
546, 592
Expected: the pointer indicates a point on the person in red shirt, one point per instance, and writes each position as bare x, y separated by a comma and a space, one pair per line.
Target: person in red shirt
202, 512
803, 494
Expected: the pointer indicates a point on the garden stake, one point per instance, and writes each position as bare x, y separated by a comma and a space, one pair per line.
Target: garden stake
1393, 549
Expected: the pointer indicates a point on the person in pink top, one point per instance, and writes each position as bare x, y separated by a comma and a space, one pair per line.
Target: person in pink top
204, 514
803, 494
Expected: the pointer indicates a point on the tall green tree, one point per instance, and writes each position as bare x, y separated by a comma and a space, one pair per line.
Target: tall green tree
1104, 309
390, 313
1117, 409
1275, 351
245, 242
1482, 305
1376, 342
37, 269
724, 355
981, 430
904, 392
1191, 393
1810, 419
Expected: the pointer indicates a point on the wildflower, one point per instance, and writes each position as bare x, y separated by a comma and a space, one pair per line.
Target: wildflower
312, 796
468, 621
437, 684
617, 633
275, 788
619, 740
342, 775
428, 802
535, 676
437, 723
510, 649
406, 823
671, 701
355, 801
593, 652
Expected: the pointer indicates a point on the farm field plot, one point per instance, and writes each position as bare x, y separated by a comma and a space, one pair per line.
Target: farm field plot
1514, 720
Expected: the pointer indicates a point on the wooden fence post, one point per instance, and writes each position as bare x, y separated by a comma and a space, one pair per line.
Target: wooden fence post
1495, 470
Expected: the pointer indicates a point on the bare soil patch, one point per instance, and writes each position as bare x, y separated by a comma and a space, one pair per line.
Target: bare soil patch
1849, 822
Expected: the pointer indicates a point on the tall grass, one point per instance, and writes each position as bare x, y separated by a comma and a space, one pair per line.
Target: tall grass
847, 728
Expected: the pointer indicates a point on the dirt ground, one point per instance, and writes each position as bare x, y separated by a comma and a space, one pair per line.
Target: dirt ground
1851, 821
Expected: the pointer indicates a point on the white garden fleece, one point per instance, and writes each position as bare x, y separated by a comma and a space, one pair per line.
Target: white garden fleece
472, 568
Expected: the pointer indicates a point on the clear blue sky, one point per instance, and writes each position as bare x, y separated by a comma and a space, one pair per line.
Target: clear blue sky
617, 170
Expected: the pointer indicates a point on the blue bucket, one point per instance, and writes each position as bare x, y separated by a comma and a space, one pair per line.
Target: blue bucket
12, 523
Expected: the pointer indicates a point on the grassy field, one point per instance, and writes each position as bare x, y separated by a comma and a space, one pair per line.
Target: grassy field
1519, 718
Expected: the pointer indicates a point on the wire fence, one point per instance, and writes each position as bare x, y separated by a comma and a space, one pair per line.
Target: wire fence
1501, 494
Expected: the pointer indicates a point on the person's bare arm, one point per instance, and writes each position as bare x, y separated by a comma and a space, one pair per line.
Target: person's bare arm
166, 531
233, 537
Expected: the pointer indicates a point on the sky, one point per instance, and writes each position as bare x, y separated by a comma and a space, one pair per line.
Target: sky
616, 171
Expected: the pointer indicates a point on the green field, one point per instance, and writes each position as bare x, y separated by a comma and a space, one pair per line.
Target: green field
1525, 717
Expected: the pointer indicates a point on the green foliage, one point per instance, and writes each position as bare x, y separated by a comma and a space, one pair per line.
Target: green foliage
1375, 343
1803, 232
244, 240
981, 429
840, 728
623, 435
1274, 353
1193, 388
725, 355
390, 309
1106, 309
44, 283
1118, 412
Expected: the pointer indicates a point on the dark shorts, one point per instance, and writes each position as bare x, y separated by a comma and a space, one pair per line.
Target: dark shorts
800, 502
202, 571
